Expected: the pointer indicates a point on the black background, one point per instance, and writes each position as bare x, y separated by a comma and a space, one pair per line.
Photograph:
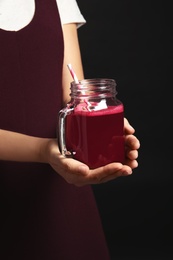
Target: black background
130, 42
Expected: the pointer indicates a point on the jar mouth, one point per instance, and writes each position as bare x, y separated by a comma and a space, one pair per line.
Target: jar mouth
95, 81
94, 85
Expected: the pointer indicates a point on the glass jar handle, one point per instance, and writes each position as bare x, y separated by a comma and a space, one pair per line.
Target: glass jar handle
61, 131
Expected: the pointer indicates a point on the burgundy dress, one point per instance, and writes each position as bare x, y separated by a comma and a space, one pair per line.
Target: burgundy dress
41, 216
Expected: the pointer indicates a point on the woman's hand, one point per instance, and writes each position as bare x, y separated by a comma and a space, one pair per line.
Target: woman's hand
79, 174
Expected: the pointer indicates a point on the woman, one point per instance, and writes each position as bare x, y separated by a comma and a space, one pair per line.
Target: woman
48, 209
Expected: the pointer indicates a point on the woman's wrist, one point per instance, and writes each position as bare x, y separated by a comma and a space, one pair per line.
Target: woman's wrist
48, 150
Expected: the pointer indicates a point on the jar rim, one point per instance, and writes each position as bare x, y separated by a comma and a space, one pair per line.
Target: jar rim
94, 80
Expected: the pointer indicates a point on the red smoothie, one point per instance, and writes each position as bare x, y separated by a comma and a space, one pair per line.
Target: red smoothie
96, 137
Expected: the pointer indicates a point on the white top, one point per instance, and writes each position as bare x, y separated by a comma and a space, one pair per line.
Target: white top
16, 14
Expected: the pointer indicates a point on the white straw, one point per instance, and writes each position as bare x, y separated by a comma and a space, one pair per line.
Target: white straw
77, 82
72, 73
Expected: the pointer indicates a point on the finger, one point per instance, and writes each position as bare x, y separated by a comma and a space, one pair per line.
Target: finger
128, 129
116, 175
108, 172
132, 154
131, 163
132, 142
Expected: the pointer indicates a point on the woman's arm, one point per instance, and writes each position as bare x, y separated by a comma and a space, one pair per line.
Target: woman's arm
71, 55
19, 147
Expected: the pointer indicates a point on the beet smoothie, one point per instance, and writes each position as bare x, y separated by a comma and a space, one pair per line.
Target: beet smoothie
96, 137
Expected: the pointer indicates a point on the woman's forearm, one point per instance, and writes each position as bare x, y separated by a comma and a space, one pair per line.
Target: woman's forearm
19, 147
